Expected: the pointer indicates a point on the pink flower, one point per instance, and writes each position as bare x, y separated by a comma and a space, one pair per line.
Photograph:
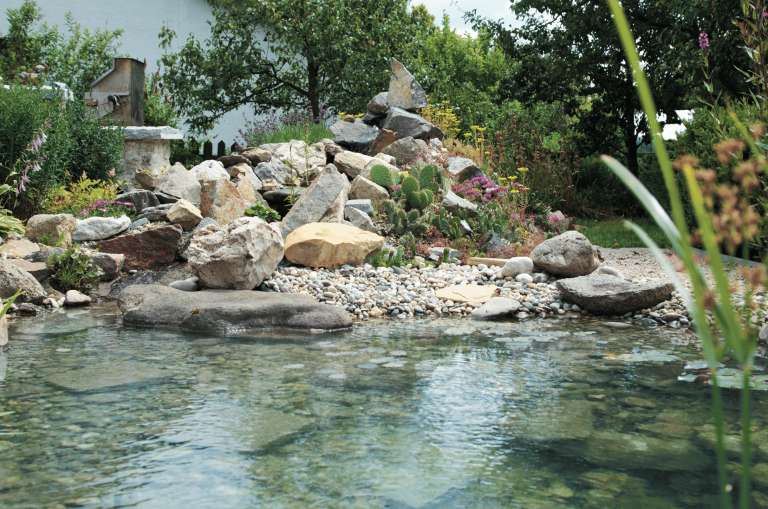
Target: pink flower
703, 41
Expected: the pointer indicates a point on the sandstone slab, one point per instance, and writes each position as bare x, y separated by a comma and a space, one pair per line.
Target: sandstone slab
331, 245
21, 248
184, 214
38, 270
256, 155
604, 294
225, 310
352, 163
384, 139
467, 293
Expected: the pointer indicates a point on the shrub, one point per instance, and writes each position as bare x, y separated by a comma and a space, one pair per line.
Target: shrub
263, 211
82, 195
73, 271
282, 127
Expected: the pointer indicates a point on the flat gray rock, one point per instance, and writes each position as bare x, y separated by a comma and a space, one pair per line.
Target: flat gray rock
604, 294
152, 133
228, 310
106, 375
496, 307
357, 136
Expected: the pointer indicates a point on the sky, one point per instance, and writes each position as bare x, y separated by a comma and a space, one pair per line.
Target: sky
493, 9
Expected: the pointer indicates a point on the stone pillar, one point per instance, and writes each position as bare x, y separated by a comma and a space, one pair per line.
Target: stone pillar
147, 148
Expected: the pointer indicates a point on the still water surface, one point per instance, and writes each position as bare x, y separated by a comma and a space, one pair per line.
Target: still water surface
482, 415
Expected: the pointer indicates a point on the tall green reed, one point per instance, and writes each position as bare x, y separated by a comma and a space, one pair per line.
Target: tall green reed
732, 330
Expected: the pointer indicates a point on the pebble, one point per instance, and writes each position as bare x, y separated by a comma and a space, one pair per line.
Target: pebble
337, 376
293, 366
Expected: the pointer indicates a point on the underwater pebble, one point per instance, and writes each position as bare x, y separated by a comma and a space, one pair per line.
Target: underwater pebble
293, 366
398, 353
62, 350
337, 376
367, 366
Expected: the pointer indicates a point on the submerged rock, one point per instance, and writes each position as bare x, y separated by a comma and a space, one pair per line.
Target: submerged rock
496, 307
604, 294
156, 305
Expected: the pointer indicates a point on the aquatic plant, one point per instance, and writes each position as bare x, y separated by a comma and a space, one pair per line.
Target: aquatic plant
722, 327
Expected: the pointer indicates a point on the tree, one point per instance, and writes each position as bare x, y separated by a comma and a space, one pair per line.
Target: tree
272, 54
76, 59
570, 52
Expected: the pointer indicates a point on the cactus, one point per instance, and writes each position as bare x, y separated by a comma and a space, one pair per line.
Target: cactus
422, 200
380, 175
426, 176
450, 226
409, 185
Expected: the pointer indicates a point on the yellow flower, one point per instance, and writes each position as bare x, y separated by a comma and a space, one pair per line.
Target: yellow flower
514, 177
514, 191
467, 134
487, 152
481, 129
522, 169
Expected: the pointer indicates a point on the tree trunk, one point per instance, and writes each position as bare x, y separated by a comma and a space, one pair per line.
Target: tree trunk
313, 70
630, 133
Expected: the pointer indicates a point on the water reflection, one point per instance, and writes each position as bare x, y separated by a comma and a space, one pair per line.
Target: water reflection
533, 414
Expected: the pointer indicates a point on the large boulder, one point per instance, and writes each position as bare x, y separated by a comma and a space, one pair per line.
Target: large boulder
13, 278
150, 249
404, 91
406, 124
98, 228
352, 163
335, 213
246, 191
240, 255
38, 270
220, 200
356, 136
320, 197
226, 310
610, 295
139, 199
378, 105
176, 181
256, 155
331, 245
453, 203
404, 151
53, 225
210, 170
184, 214
569, 254
364, 189
463, 168
20, 248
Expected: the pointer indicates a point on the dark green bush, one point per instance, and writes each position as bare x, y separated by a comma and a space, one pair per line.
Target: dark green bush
76, 144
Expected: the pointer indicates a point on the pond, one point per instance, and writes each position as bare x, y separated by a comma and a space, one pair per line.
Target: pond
421, 413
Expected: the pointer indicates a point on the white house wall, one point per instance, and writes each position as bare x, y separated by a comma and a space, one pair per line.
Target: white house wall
141, 22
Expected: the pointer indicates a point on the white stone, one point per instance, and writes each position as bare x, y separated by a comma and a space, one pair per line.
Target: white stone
517, 265
75, 298
98, 228
209, 170
176, 181
524, 278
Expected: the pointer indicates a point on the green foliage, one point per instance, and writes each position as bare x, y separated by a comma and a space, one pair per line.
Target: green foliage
76, 59
73, 271
409, 241
80, 195
48, 240
590, 75
615, 234
450, 226
263, 211
305, 59
76, 144
8, 223
403, 221
389, 259
9, 302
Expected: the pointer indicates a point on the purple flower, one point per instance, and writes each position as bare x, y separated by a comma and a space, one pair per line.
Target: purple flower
703, 41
